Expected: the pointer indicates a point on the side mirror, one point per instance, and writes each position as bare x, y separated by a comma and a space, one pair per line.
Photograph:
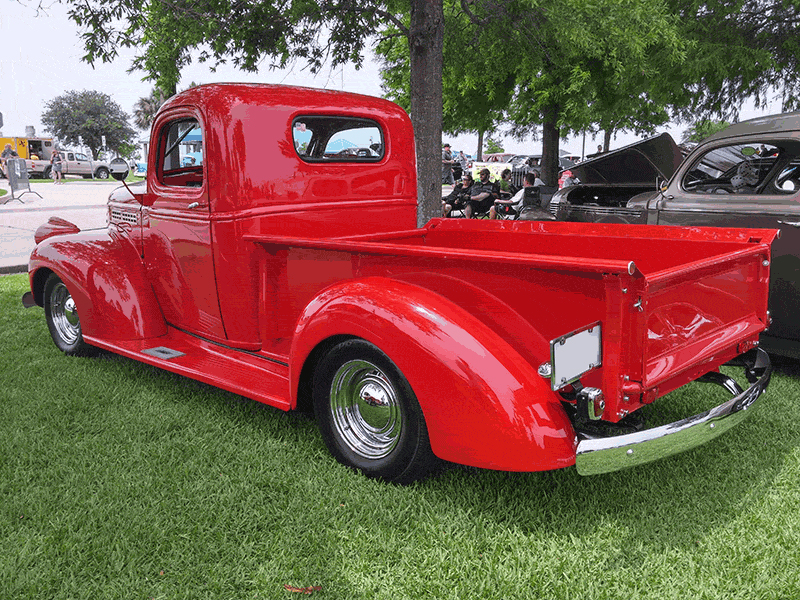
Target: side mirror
119, 169
661, 184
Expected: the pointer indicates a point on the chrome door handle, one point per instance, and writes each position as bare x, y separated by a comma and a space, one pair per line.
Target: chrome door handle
791, 223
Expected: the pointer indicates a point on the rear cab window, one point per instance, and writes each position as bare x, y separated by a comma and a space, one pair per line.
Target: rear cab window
325, 138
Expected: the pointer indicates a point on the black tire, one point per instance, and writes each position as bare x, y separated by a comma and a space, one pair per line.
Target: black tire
101, 173
62, 319
369, 416
47, 173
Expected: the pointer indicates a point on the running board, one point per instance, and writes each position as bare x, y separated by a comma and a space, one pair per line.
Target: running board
250, 374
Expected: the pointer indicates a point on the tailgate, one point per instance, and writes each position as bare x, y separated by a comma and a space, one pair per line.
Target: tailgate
697, 311
686, 320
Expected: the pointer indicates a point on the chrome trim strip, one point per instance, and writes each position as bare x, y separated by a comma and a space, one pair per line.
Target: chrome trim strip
604, 455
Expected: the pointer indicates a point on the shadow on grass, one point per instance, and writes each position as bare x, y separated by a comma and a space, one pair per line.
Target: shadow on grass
662, 504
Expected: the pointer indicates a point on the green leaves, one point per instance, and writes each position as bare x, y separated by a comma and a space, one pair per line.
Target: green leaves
90, 115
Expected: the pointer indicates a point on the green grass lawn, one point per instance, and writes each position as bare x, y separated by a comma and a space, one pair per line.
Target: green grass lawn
118, 480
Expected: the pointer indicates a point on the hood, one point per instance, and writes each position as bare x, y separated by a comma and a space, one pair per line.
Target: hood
640, 163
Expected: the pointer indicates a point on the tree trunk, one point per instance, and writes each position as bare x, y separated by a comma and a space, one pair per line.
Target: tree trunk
607, 139
550, 140
426, 41
479, 152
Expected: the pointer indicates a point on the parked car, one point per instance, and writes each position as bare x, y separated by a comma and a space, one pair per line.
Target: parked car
78, 163
524, 163
613, 178
747, 175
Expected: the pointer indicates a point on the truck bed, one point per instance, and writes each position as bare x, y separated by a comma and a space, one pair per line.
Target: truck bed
672, 303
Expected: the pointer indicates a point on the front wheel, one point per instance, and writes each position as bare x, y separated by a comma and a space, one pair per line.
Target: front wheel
369, 416
62, 319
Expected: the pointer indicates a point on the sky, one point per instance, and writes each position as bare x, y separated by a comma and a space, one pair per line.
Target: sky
41, 59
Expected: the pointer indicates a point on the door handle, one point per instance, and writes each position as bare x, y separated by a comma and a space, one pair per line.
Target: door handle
196, 205
790, 223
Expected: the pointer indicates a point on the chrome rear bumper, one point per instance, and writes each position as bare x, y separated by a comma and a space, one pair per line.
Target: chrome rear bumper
607, 454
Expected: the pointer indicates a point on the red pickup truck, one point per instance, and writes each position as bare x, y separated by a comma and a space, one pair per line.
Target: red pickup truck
263, 256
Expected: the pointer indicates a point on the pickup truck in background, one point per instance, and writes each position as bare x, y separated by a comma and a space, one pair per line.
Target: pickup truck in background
288, 272
73, 163
745, 176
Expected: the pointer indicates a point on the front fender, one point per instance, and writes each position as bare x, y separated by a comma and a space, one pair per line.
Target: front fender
484, 405
107, 280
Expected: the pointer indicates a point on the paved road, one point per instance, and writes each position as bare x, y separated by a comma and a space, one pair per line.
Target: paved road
80, 202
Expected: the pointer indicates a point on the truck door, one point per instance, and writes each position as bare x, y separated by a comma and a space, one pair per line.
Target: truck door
68, 165
82, 164
749, 184
177, 235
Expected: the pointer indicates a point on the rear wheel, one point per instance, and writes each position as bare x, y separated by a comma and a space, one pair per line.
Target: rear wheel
62, 319
368, 414
47, 173
101, 173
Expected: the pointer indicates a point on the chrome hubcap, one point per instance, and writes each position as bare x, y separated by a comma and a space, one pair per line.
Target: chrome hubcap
365, 408
64, 314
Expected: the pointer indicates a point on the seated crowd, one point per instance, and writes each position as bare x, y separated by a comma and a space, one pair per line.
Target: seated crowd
501, 199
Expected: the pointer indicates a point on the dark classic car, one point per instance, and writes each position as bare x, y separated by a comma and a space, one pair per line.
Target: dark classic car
745, 176
610, 180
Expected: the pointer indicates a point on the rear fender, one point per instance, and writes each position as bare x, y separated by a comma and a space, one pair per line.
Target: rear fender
484, 405
107, 280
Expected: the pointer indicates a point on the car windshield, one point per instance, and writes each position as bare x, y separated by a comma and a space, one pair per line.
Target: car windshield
734, 168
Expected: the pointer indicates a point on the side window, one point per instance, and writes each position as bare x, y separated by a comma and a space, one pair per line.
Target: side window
748, 168
70, 156
320, 138
181, 153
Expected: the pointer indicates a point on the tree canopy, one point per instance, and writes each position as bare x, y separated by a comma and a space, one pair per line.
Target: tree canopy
475, 94
702, 129
89, 115
145, 109
549, 68
315, 31
737, 51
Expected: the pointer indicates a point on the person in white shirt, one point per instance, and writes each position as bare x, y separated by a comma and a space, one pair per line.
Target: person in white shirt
512, 206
